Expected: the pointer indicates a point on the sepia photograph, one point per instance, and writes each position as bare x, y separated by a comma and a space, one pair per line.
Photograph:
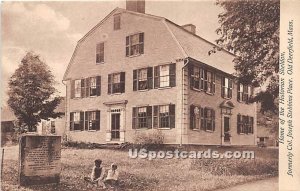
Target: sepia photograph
146, 95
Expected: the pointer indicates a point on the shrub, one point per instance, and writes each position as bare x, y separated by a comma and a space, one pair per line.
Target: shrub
149, 140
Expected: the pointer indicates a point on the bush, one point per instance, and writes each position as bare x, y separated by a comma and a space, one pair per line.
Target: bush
149, 140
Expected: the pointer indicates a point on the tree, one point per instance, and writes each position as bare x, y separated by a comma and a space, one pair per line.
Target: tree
31, 93
250, 29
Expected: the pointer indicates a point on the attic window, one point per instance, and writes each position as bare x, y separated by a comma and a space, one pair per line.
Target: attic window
117, 22
135, 44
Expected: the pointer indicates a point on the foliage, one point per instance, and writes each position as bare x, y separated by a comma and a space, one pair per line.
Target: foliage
250, 29
31, 92
149, 140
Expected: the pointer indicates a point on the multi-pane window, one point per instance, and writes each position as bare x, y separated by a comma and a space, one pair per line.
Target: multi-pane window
100, 52
209, 82
76, 121
202, 79
244, 124
244, 93
165, 76
92, 120
86, 87
202, 118
116, 83
226, 88
164, 116
142, 79
77, 88
117, 22
52, 125
135, 44
142, 117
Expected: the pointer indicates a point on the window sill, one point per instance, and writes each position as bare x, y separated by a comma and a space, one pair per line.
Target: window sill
142, 129
162, 88
197, 90
145, 90
99, 63
210, 93
227, 98
165, 128
209, 131
132, 56
195, 129
92, 130
112, 94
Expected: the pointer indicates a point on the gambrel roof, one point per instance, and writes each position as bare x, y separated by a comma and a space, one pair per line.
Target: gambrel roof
191, 45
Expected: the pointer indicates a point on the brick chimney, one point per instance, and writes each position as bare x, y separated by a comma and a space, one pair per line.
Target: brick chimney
135, 5
190, 27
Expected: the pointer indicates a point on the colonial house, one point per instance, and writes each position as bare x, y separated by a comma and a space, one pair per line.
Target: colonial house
137, 73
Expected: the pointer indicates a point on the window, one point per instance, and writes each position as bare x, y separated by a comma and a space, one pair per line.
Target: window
244, 93
226, 88
202, 118
77, 88
52, 125
244, 124
197, 78
116, 83
76, 121
165, 76
142, 79
93, 87
209, 82
117, 22
142, 117
86, 87
100, 53
135, 44
164, 116
92, 120
202, 79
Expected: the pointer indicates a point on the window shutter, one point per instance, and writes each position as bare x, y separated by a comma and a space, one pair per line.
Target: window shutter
172, 115
205, 79
251, 124
81, 120
155, 116
135, 81
141, 45
87, 87
71, 121
213, 119
122, 78
223, 87
109, 83
172, 72
156, 77
230, 88
97, 120
192, 117
205, 117
238, 123
238, 92
213, 82
98, 53
134, 118
149, 117
98, 85
150, 77
191, 73
82, 88
202, 127
86, 119
127, 46
72, 89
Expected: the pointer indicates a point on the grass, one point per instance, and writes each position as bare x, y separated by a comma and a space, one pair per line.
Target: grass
158, 174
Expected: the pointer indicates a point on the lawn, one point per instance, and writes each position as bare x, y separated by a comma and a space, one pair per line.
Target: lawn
157, 174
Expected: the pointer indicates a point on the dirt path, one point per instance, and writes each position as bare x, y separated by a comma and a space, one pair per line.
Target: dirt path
270, 184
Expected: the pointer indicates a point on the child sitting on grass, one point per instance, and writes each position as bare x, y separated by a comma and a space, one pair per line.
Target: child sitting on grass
97, 174
112, 176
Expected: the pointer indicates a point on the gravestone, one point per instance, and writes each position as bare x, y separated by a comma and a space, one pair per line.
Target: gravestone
39, 159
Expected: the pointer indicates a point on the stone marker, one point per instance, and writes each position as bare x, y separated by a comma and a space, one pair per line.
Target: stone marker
39, 159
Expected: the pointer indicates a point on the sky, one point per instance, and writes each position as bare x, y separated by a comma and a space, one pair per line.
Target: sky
52, 29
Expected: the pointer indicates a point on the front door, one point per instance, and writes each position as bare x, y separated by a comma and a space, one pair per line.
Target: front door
115, 126
226, 126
